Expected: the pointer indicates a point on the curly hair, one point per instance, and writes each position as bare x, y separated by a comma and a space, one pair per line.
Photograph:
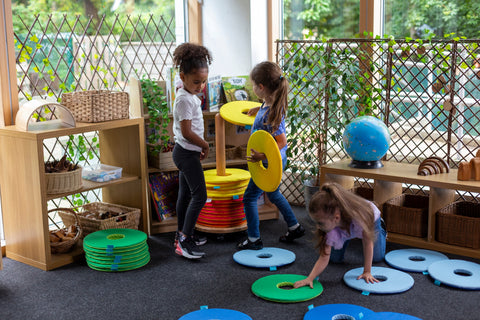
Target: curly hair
189, 56
271, 77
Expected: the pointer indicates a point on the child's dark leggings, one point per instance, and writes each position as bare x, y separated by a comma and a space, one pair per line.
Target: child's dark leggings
192, 192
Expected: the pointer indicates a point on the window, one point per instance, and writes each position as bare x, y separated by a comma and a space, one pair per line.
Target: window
432, 18
314, 19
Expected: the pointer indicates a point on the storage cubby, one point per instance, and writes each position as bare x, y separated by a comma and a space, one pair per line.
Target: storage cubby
388, 182
24, 196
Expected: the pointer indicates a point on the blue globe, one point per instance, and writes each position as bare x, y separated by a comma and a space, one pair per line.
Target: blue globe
366, 140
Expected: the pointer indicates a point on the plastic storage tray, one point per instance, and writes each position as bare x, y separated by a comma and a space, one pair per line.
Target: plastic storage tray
101, 173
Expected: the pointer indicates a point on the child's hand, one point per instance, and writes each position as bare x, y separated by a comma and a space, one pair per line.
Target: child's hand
256, 156
253, 111
367, 276
302, 283
204, 152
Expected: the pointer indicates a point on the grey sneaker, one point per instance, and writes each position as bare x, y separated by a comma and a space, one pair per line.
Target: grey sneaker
188, 249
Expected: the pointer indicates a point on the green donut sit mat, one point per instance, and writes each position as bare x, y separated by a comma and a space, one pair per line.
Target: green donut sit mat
279, 288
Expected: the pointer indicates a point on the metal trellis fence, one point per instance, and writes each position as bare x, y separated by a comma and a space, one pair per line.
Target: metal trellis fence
428, 95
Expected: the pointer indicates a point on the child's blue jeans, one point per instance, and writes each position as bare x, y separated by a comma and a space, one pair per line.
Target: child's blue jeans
336, 256
250, 197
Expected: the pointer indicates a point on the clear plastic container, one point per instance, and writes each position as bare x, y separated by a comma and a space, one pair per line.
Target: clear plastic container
101, 173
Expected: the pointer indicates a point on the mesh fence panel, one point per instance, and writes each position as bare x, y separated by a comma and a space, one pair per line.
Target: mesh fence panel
427, 94
57, 55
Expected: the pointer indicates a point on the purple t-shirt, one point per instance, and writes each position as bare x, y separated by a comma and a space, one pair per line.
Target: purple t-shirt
337, 237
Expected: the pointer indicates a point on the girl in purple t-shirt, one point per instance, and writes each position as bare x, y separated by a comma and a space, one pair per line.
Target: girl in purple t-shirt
341, 215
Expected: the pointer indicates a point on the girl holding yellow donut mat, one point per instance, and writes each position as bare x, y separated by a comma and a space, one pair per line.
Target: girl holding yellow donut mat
270, 86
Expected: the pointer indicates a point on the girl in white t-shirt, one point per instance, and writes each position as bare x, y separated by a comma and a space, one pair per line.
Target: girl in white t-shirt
190, 147
341, 215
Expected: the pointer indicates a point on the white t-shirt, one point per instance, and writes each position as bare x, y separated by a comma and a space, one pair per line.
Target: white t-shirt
187, 106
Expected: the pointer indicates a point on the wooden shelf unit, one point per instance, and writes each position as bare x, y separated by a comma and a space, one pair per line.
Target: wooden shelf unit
388, 184
24, 197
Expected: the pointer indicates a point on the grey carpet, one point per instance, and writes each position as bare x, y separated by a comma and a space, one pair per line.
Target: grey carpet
171, 286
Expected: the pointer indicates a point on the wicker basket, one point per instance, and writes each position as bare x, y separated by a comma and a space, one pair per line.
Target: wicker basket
66, 246
407, 214
64, 181
364, 192
241, 152
459, 224
97, 105
230, 152
128, 218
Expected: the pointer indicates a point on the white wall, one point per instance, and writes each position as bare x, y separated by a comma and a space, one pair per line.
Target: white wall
235, 31
259, 31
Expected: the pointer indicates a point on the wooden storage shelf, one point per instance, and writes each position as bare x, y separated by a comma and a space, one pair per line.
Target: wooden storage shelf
24, 197
388, 184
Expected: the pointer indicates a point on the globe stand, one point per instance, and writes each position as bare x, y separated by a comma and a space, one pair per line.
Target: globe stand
357, 164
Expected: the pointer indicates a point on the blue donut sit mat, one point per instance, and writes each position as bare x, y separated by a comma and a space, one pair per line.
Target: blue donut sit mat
264, 258
456, 273
391, 281
337, 311
390, 316
413, 260
217, 314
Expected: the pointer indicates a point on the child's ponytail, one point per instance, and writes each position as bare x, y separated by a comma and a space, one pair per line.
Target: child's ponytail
271, 76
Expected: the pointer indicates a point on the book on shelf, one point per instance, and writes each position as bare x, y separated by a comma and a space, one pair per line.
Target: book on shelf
214, 89
203, 96
238, 88
163, 188
173, 84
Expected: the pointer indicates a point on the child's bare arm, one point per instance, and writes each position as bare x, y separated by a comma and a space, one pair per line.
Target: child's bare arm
367, 262
317, 269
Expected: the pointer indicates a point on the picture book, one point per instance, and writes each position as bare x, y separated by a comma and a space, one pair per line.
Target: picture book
173, 84
214, 89
164, 190
238, 88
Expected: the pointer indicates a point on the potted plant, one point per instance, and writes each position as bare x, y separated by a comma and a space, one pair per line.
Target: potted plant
158, 136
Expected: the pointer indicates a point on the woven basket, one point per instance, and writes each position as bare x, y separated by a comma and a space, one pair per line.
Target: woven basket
407, 214
230, 152
459, 224
241, 152
97, 105
66, 246
64, 181
364, 192
129, 218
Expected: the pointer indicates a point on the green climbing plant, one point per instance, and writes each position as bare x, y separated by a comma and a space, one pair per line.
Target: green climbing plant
154, 102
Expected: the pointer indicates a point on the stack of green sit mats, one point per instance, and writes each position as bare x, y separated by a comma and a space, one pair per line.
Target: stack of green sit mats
116, 249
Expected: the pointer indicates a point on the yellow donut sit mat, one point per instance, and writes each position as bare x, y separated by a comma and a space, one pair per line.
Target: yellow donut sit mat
232, 175
268, 179
236, 112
